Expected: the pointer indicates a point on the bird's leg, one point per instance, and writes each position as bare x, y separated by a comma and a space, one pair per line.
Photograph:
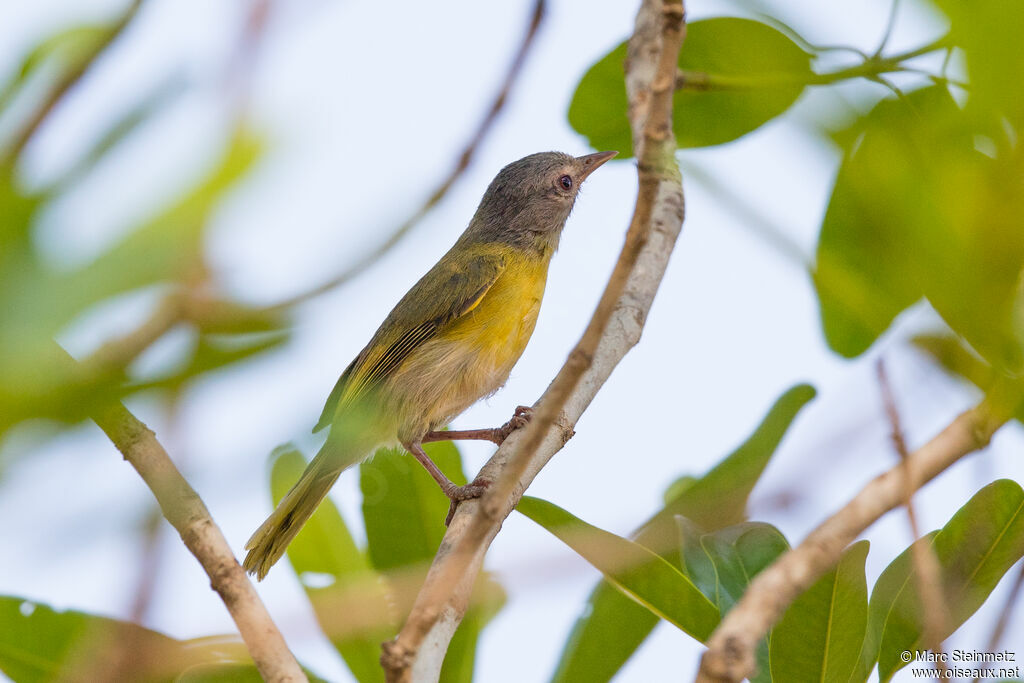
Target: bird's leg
496, 434
456, 494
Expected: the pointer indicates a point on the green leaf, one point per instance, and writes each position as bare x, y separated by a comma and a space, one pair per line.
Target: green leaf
636, 571
918, 211
819, 636
347, 595
738, 553
719, 498
604, 637
39, 644
751, 74
974, 549
612, 626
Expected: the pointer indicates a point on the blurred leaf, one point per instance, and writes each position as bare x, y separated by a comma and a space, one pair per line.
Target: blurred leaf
67, 50
169, 245
819, 636
917, 211
347, 595
738, 553
230, 673
612, 626
213, 352
988, 32
958, 360
404, 512
17, 211
223, 316
636, 571
759, 71
40, 644
403, 506
35, 303
976, 547
220, 673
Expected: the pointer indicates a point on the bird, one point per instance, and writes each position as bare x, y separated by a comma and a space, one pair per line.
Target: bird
450, 341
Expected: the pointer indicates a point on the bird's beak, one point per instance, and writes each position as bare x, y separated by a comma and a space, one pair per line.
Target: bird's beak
590, 162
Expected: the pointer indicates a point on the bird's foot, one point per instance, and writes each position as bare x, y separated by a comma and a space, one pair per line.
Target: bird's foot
457, 494
520, 419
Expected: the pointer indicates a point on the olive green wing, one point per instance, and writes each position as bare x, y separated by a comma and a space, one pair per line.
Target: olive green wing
449, 291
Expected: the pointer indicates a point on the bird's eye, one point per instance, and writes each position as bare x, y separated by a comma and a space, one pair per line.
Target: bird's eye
566, 182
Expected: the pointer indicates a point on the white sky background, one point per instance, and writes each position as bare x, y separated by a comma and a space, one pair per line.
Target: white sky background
366, 106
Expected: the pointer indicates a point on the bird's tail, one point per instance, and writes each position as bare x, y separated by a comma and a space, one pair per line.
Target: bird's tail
268, 544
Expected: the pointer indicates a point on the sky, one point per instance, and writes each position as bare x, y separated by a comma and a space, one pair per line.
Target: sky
364, 110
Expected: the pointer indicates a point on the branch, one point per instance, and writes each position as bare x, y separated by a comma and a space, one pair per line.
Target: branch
464, 159
418, 651
730, 653
184, 509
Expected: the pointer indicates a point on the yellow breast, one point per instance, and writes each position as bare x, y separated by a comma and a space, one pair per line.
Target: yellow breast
500, 326
473, 358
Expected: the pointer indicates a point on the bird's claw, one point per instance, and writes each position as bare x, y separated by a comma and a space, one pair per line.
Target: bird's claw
520, 419
474, 489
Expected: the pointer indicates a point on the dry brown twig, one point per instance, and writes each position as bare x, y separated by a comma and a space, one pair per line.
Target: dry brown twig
418, 651
183, 508
926, 564
730, 653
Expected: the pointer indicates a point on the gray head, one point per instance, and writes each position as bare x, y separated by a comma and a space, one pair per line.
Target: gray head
529, 200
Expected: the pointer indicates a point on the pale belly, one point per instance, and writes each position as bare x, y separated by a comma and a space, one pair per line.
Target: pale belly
470, 360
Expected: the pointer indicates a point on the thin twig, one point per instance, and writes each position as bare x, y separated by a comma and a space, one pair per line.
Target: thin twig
439, 193
417, 652
889, 26
184, 509
67, 81
870, 68
730, 654
926, 564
